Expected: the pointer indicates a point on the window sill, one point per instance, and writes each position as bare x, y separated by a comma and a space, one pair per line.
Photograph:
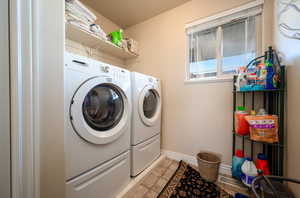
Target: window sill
209, 80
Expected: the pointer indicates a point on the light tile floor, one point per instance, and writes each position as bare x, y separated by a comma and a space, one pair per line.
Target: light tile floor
151, 185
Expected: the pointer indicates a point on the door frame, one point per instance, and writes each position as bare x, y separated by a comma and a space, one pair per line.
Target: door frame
36, 58
24, 102
5, 140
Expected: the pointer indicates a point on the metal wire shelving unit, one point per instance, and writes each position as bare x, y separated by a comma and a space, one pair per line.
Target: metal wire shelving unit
274, 103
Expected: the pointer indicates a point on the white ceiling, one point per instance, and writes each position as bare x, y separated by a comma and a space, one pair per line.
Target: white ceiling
126, 13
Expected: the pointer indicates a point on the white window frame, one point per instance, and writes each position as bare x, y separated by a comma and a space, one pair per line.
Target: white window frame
216, 21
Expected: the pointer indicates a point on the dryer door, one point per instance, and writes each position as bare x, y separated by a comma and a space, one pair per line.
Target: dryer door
100, 110
149, 105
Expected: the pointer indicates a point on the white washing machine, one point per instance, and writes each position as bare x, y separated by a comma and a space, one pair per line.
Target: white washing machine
97, 128
146, 121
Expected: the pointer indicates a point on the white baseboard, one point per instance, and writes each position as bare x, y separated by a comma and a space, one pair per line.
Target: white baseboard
224, 168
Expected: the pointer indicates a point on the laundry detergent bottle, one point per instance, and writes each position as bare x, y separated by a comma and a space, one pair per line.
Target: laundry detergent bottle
262, 164
249, 172
241, 124
237, 162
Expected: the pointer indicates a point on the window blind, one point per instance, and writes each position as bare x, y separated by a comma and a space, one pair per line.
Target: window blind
219, 20
220, 44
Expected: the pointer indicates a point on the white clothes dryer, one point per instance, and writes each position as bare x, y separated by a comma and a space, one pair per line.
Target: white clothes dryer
146, 121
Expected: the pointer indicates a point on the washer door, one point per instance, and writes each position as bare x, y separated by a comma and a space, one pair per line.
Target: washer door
149, 105
100, 110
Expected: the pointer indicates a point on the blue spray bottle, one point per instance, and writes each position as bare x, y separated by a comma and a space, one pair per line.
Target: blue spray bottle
270, 69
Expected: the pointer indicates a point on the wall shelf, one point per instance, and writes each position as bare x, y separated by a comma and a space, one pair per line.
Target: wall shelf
258, 91
247, 137
88, 39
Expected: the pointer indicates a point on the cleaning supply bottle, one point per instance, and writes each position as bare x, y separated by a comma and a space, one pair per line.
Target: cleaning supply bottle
270, 69
241, 124
270, 75
249, 172
262, 164
237, 162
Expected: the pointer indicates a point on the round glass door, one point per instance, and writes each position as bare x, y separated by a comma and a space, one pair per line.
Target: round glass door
99, 111
150, 103
103, 107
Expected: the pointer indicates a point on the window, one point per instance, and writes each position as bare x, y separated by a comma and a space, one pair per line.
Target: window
203, 54
217, 46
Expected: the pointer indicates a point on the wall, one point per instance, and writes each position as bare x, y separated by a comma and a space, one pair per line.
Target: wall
290, 52
49, 51
195, 116
77, 48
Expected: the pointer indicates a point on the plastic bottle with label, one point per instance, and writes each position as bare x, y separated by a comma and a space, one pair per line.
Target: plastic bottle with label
241, 124
262, 164
237, 162
270, 69
249, 172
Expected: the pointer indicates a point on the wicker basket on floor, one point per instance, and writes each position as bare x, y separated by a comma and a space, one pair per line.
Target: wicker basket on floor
208, 165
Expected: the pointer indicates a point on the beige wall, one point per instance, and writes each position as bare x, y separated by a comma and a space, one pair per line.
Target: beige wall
50, 50
290, 51
77, 48
195, 116
107, 25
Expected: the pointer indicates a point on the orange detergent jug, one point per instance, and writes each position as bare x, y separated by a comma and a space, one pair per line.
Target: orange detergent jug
241, 124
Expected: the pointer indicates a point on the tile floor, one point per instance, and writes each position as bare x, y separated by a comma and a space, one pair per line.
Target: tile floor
151, 184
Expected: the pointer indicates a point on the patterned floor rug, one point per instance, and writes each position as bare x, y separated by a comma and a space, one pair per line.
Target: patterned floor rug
186, 182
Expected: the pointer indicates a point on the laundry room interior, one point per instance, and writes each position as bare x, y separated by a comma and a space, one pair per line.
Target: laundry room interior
197, 78
159, 99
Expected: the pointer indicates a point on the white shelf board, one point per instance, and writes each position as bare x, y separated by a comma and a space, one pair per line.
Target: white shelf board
90, 40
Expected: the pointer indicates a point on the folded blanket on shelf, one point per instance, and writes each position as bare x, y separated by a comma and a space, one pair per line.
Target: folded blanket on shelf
73, 17
80, 26
92, 28
77, 8
80, 16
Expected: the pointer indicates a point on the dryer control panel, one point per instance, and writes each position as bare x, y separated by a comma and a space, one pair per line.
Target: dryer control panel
116, 73
153, 81
122, 75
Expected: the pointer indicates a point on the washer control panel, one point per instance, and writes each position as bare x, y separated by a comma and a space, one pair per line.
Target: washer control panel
104, 68
121, 75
